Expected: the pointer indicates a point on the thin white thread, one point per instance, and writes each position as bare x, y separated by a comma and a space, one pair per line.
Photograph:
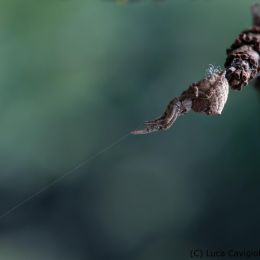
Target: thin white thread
58, 179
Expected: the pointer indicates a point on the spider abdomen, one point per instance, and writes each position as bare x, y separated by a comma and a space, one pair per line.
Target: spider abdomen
212, 94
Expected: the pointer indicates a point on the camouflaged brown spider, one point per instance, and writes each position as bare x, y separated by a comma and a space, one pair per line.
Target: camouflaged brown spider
206, 96
210, 94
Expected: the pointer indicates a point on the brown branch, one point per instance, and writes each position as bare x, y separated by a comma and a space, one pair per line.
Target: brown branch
210, 94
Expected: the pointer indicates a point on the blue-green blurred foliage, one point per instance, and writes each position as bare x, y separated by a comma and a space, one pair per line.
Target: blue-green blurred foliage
77, 75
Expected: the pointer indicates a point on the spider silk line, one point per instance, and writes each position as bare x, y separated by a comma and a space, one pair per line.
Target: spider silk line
60, 178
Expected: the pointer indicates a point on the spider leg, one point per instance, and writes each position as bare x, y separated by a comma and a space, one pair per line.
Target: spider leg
162, 125
170, 115
167, 115
147, 130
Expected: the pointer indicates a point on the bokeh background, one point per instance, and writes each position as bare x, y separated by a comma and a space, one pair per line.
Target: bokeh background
78, 75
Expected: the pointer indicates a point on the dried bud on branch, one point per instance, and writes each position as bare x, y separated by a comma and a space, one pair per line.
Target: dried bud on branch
242, 63
210, 94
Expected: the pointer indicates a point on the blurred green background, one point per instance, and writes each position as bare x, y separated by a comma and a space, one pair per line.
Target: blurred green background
76, 76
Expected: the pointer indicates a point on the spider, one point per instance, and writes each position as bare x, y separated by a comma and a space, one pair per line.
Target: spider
206, 96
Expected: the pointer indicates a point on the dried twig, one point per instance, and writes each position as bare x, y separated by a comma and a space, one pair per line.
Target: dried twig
210, 94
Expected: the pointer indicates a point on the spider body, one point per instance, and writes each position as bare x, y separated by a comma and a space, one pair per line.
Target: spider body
209, 95
206, 96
